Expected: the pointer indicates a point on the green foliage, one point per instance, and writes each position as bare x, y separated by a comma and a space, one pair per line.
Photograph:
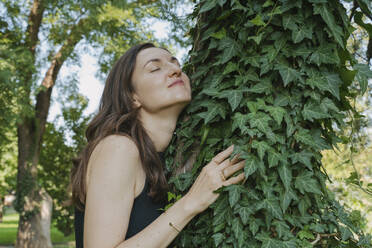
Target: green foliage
270, 78
348, 189
60, 145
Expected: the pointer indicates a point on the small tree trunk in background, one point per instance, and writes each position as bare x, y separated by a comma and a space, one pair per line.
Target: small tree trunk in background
1, 209
33, 203
34, 231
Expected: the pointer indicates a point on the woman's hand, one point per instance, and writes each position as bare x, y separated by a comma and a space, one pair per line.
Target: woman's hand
214, 175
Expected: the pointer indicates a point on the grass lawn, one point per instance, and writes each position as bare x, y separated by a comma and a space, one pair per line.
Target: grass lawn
8, 232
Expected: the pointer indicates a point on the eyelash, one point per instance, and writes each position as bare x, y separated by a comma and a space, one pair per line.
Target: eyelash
159, 68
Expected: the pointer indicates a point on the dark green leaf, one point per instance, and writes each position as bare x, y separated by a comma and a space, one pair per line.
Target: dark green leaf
325, 11
288, 74
208, 5
285, 175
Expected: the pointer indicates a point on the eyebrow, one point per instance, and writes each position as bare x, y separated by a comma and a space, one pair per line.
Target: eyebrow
158, 60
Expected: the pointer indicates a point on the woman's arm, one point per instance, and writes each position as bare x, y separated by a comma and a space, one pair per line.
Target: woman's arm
110, 196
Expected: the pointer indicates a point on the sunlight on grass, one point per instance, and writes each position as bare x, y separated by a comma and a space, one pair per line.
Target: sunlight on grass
8, 233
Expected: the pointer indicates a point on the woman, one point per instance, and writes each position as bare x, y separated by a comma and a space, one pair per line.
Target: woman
118, 182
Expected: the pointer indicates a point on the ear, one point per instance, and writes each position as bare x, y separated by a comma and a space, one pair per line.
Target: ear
136, 101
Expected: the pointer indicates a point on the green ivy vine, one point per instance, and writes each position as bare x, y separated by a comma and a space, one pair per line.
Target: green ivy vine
272, 77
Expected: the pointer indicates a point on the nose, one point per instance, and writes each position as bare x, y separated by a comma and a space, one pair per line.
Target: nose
174, 70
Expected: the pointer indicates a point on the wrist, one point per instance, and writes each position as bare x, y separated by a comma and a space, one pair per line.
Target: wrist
189, 205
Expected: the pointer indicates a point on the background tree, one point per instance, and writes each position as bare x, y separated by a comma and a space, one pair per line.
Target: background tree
274, 78
60, 145
37, 39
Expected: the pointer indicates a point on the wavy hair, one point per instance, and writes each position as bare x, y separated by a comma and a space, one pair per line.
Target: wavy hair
118, 115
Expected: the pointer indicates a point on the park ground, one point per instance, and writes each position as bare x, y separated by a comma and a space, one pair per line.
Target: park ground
8, 232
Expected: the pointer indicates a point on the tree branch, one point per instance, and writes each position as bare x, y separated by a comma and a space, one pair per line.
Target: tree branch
34, 23
44, 95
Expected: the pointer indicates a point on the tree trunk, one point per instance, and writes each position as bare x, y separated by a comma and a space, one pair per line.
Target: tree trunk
33, 203
1, 208
34, 231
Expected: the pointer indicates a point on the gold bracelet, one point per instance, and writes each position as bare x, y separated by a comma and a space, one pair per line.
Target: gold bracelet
170, 223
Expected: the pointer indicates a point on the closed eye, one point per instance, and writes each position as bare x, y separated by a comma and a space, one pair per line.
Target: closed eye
155, 70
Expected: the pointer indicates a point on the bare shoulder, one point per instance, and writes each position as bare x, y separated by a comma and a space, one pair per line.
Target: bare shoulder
117, 143
118, 153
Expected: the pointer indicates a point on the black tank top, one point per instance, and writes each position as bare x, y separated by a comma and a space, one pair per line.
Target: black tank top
144, 212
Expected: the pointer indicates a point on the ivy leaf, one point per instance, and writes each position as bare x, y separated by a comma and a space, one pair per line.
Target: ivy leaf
260, 121
234, 194
345, 233
261, 87
261, 147
305, 183
239, 121
214, 109
273, 158
324, 11
208, 5
286, 197
302, 206
230, 67
328, 82
300, 33
303, 157
272, 205
302, 51
267, 242
220, 34
244, 213
256, 38
285, 175
362, 76
290, 243
304, 136
251, 165
327, 105
234, 98
325, 54
257, 21
218, 238
289, 22
290, 127
228, 53
281, 100
253, 225
277, 113
237, 229
313, 111
288, 74
281, 228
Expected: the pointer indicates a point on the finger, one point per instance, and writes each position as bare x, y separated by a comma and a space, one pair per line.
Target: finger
226, 163
234, 180
234, 168
223, 155
236, 159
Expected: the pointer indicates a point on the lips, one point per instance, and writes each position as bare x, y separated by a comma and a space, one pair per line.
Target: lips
179, 81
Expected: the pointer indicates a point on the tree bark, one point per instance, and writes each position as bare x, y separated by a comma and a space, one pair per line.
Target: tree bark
1, 208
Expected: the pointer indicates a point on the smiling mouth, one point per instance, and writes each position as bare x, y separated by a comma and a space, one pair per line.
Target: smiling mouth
177, 82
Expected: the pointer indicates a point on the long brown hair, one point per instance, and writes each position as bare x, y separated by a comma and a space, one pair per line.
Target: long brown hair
117, 114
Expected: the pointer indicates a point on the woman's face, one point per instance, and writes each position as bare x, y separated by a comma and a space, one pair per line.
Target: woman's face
154, 73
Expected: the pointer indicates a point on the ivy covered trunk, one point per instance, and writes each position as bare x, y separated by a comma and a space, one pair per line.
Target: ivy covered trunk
271, 77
